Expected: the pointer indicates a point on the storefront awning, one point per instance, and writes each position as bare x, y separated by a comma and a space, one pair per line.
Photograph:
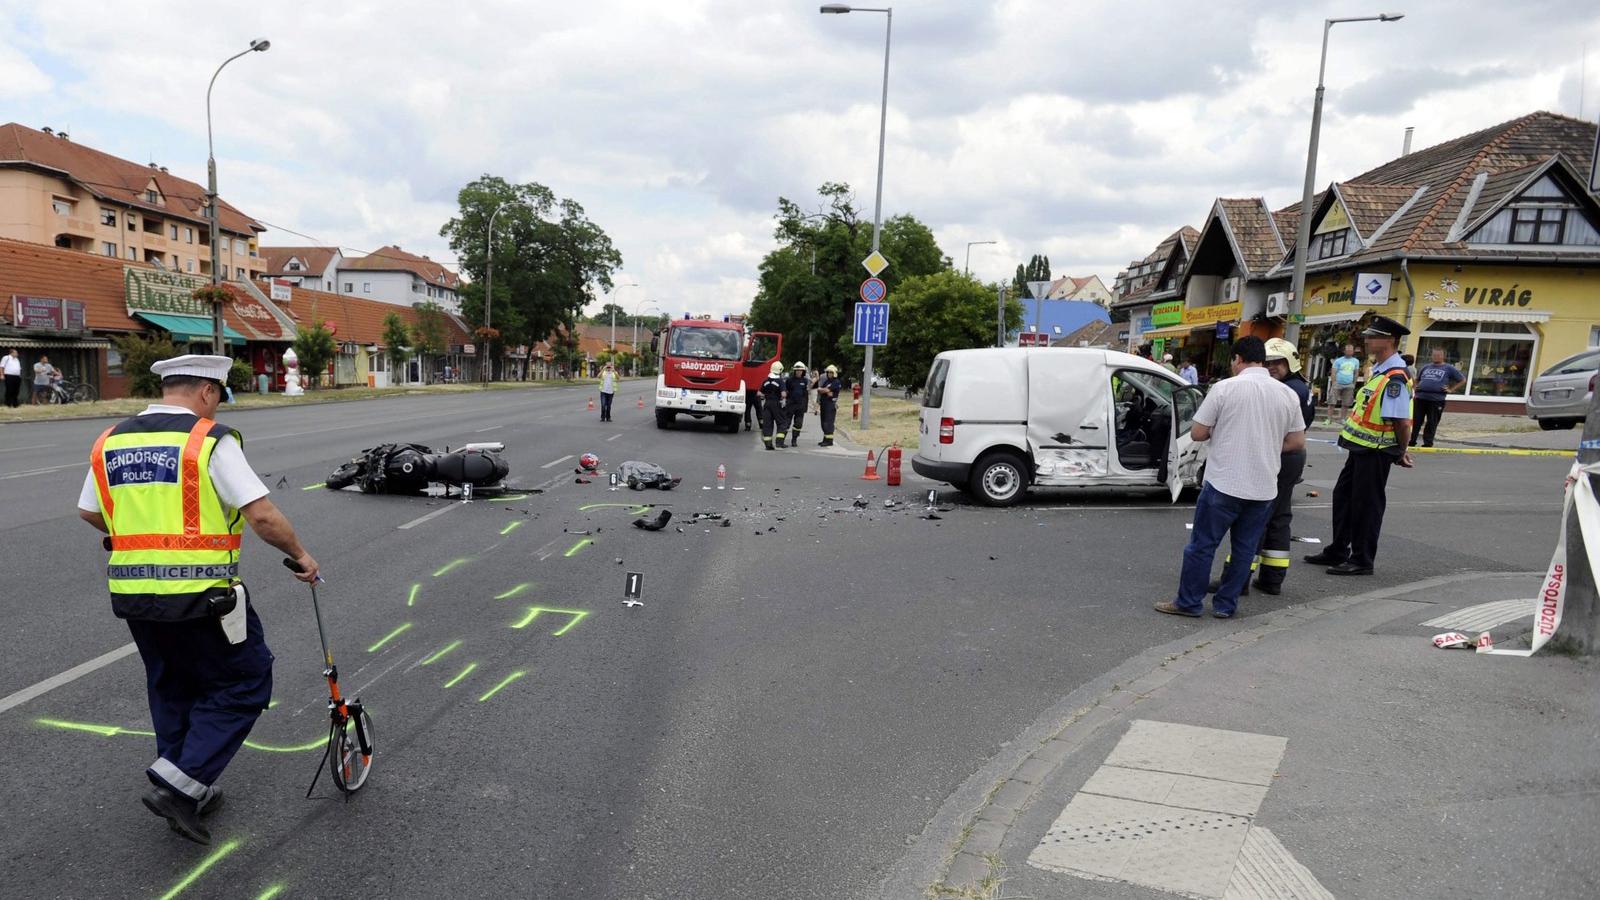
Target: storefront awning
1171, 331
1349, 315
1478, 314
189, 328
54, 343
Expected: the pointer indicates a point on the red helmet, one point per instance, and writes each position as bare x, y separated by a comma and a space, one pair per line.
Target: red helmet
589, 462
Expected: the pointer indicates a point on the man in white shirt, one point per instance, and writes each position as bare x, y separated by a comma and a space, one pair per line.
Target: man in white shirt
1250, 420
11, 365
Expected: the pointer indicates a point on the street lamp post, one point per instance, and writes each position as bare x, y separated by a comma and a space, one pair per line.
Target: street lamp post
1297, 285
488, 291
877, 203
970, 244
638, 310
259, 45
613, 305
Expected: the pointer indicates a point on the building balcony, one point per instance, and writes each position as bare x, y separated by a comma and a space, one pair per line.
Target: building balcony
149, 240
76, 227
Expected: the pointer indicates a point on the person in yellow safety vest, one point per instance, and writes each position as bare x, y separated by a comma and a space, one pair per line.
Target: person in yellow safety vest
1374, 437
172, 489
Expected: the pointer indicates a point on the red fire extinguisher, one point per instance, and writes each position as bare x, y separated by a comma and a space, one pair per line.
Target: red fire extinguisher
894, 466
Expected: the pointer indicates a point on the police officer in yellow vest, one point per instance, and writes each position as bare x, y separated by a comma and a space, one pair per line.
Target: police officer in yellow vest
1375, 436
172, 489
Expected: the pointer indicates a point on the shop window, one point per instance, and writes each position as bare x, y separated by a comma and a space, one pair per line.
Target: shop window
113, 362
108, 217
1495, 356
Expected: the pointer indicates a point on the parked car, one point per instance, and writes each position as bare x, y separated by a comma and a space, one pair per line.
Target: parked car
1560, 395
996, 421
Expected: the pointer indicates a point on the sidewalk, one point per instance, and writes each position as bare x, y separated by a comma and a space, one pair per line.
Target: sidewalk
1324, 750
1483, 431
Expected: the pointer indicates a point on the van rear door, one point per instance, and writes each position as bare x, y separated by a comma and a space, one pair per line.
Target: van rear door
1068, 416
928, 446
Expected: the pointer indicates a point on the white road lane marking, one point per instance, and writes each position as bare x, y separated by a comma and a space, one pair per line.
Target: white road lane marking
44, 471
433, 515
29, 447
67, 677
614, 436
556, 462
490, 428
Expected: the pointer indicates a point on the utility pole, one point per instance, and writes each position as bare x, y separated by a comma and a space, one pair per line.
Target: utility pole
1000, 316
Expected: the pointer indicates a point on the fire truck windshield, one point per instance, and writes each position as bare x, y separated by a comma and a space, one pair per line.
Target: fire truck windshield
706, 343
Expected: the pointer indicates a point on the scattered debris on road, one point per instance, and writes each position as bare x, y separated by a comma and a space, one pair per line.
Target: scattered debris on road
656, 524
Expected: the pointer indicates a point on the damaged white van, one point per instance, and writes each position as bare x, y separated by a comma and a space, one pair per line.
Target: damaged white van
996, 421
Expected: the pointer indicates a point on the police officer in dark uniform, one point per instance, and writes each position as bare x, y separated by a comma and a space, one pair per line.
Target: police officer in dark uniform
172, 490
1375, 436
772, 404
797, 396
828, 389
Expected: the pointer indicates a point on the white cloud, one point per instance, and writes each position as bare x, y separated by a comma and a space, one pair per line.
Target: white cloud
1087, 131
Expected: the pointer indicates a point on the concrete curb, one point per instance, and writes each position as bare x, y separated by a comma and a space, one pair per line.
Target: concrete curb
965, 864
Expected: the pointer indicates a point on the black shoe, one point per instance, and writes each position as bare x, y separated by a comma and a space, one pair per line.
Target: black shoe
1273, 589
1216, 584
211, 803
824, 443
1221, 615
1350, 568
781, 444
769, 446
180, 813
1324, 559
747, 426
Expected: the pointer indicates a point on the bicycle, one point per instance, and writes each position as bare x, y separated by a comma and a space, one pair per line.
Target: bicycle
70, 390
349, 761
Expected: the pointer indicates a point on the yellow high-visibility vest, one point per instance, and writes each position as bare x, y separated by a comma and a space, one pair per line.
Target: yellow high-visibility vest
172, 541
1365, 426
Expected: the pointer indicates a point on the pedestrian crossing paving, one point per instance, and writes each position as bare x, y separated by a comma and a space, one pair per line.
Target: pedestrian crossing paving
1484, 616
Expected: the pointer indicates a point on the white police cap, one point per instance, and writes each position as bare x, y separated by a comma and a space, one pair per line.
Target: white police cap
202, 366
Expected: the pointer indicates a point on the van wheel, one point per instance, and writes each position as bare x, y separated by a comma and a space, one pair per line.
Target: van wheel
998, 479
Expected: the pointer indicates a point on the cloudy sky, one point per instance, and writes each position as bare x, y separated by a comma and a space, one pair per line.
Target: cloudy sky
1083, 130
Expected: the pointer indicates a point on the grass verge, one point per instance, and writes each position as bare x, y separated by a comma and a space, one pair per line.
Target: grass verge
893, 421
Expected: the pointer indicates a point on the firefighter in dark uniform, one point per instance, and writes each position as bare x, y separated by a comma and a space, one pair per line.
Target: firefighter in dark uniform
772, 404
828, 389
797, 396
173, 490
1374, 437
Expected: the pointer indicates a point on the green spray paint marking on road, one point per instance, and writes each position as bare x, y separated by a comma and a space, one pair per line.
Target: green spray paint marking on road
200, 869
412, 599
317, 744
496, 689
506, 595
271, 703
512, 527
576, 547
451, 565
270, 892
102, 730
635, 509
443, 651
509, 499
534, 611
312, 487
386, 638
464, 673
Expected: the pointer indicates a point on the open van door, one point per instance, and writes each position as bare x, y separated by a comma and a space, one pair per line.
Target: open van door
1069, 407
1185, 457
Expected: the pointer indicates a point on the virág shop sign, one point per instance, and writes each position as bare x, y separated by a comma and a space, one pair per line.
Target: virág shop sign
47, 313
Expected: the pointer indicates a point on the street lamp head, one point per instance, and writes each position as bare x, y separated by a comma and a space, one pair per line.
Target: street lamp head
260, 45
835, 9
1390, 17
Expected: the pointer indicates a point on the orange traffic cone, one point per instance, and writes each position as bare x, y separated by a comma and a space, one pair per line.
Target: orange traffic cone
641, 403
871, 474
591, 404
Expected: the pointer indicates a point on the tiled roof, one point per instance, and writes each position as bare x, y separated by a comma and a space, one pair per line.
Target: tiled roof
315, 259
116, 179
1096, 334
393, 259
1255, 233
42, 271
1370, 205
358, 319
1189, 235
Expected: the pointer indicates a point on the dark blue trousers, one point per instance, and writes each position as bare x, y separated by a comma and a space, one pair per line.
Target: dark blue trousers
1215, 515
205, 695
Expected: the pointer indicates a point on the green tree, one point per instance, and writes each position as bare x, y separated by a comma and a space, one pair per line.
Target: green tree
809, 284
428, 333
138, 352
938, 312
550, 261
396, 340
1037, 269
315, 348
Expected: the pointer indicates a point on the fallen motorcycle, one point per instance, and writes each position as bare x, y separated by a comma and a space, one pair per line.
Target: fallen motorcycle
412, 468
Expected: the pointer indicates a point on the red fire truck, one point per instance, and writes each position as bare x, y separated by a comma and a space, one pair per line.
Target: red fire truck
707, 365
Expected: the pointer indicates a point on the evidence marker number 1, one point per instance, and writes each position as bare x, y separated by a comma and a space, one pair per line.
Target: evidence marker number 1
633, 590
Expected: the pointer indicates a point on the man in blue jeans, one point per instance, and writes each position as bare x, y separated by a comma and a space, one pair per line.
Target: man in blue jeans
1250, 421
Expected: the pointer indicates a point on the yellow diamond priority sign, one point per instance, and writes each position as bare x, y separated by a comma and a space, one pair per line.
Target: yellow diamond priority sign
875, 263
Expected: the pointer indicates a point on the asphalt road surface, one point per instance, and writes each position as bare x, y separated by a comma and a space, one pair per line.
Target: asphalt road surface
798, 695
